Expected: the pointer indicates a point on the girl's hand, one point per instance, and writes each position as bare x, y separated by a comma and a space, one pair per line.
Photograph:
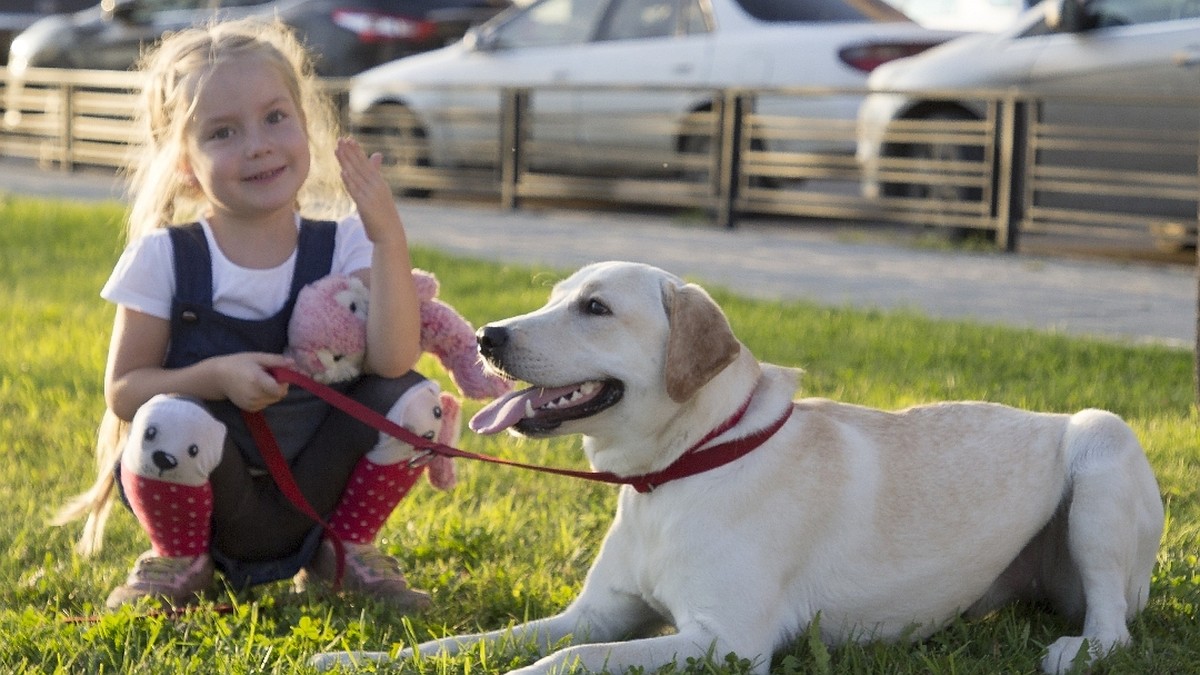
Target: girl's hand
246, 381
370, 191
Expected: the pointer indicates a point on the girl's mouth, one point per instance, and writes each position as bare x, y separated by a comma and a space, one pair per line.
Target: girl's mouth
265, 175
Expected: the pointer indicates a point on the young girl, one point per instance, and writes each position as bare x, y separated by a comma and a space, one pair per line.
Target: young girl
238, 143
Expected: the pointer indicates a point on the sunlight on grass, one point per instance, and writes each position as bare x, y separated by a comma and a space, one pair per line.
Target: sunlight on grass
508, 545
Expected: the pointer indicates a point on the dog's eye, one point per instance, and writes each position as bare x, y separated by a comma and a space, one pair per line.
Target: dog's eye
595, 307
151, 433
193, 450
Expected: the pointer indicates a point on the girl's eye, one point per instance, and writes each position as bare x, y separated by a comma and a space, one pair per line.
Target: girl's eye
276, 116
220, 133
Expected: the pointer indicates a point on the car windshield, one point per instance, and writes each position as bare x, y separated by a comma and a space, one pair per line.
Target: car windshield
821, 10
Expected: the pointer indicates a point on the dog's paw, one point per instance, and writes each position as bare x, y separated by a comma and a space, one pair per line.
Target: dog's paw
330, 660
1062, 655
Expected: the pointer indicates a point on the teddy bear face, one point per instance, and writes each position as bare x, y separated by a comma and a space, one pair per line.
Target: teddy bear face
174, 440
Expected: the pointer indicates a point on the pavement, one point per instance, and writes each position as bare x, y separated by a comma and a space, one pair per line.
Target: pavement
823, 263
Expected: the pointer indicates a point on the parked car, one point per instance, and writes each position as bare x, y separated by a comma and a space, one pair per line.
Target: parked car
17, 15
560, 47
1060, 48
347, 36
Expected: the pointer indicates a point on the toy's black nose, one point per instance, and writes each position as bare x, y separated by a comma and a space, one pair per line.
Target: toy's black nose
164, 461
491, 340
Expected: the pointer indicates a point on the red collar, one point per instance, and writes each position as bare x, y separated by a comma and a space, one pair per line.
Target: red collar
698, 459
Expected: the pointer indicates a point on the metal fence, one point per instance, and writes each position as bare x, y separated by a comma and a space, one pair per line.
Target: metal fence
1008, 169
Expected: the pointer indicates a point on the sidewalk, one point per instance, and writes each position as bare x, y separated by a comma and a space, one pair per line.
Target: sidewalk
1133, 302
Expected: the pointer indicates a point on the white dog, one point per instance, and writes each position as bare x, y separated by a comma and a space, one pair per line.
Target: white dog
888, 524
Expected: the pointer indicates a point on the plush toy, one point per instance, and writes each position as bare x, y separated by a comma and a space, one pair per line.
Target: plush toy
327, 334
449, 337
327, 337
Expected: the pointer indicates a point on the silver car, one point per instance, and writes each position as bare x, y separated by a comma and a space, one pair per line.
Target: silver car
1060, 52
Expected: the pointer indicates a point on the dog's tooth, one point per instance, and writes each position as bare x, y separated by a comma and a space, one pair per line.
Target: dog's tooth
528, 409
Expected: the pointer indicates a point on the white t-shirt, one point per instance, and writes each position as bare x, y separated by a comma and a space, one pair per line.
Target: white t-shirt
144, 277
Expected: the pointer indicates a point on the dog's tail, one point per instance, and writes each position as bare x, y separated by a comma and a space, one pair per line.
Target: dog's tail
97, 502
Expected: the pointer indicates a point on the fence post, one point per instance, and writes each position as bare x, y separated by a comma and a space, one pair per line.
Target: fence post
729, 163
66, 160
514, 104
1009, 181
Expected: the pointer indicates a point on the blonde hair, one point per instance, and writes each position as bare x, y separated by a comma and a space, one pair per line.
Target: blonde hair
176, 71
175, 74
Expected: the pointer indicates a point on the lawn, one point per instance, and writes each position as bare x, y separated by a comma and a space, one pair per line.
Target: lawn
506, 544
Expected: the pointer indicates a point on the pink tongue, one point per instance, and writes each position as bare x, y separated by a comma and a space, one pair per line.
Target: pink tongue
510, 408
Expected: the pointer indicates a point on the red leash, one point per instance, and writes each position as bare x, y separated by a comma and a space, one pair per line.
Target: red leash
692, 462
278, 467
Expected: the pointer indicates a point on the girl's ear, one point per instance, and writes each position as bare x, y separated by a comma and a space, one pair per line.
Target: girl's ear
187, 177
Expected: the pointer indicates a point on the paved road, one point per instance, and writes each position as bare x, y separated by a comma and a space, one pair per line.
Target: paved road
1138, 302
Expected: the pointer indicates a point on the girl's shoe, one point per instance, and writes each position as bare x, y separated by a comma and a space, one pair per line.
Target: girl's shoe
173, 580
368, 571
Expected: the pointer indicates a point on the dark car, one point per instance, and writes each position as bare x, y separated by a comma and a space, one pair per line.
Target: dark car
17, 15
346, 36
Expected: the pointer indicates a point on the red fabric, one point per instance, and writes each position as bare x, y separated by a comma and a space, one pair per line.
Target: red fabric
371, 494
177, 517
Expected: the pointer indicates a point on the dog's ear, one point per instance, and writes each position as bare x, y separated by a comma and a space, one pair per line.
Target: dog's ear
700, 343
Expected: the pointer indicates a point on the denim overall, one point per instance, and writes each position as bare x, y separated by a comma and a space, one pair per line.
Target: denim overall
199, 332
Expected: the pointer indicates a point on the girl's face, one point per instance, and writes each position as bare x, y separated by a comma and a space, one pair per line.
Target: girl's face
246, 145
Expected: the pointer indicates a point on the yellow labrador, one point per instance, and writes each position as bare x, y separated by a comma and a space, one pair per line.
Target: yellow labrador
888, 524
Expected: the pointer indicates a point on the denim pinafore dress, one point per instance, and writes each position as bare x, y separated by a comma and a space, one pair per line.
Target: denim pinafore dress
199, 332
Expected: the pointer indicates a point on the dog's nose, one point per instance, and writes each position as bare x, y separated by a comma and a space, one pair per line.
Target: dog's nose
491, 340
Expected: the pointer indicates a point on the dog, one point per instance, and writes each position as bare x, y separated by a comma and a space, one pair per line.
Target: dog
888, 525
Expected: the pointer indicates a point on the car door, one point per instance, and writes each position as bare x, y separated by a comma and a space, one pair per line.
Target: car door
641, 44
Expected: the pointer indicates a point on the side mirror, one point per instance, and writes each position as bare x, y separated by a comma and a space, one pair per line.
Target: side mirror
1069, 16
125, 11
480, 39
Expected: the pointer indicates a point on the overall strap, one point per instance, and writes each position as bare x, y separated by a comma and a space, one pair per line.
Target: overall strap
314, 253
193, 264
193, 260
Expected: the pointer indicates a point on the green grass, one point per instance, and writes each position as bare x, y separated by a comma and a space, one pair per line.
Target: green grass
506, 544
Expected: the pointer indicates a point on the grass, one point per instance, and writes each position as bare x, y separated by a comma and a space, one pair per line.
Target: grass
507, 545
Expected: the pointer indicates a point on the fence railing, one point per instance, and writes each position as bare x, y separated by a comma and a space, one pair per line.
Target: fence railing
1009, 168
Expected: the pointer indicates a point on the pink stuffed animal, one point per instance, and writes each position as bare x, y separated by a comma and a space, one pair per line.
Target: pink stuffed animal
327, 334
327, 337
449, 337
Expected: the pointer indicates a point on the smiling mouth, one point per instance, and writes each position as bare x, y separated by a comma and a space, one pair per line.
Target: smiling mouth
541, 410
265, 175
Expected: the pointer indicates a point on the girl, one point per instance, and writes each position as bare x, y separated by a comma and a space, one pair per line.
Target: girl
238, 143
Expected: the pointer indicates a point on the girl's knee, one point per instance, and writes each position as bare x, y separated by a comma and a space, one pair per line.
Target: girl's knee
174, 439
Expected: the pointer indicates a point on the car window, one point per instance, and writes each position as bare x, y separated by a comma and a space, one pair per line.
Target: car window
1125, 12
549, 23
634, 19
695, 19
821, 10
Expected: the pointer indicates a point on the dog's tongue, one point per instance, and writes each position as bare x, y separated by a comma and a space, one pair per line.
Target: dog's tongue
513, 407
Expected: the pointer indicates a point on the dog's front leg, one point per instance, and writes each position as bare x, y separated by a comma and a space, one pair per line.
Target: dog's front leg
647, 653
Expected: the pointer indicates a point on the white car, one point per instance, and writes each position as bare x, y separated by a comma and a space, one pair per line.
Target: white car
450, 97
1060, 51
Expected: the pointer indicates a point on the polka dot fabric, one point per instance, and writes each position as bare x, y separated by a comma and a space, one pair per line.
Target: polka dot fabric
371, 494
177, 517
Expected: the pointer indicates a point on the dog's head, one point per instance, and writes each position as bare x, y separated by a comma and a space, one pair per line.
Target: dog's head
617, 344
